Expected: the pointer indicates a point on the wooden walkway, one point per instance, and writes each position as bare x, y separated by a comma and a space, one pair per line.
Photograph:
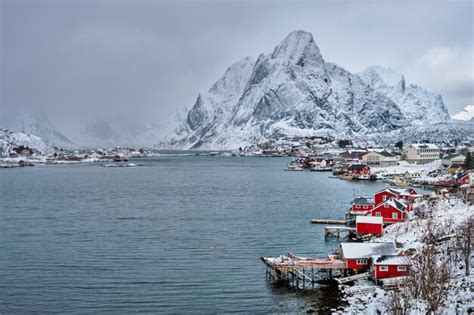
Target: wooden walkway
301, 272
327, 221
337, 230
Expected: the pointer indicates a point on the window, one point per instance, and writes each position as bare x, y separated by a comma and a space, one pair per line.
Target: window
361, 261
385, 205
378, 214
384, 198
401, 268
383, 268
394, 215
366, 206
357, 206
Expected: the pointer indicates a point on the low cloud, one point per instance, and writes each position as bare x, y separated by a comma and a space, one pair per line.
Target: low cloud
448, 71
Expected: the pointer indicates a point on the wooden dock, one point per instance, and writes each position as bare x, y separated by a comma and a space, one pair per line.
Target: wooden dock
328, 221
364, 275
337, 230
302, 272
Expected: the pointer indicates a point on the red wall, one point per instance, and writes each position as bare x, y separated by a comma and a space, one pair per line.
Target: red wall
378, 197
361, 207
352, 264
391, 273
386, 214
369, 228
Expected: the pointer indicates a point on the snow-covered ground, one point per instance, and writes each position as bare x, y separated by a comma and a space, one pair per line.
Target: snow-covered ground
449, 214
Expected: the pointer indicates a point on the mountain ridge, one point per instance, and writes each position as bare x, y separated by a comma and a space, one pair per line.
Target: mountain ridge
293, 91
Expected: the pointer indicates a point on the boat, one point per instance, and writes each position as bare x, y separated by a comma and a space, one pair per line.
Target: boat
320, 167
292, 166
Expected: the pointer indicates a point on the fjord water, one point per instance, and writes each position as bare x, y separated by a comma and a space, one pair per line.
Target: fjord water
180, 234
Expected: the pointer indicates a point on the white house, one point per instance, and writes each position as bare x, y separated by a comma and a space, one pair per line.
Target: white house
420, 153
453, 160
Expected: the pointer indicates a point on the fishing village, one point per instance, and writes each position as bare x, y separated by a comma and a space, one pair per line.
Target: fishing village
424, 213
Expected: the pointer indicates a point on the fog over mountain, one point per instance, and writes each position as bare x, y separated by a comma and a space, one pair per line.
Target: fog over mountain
104, 73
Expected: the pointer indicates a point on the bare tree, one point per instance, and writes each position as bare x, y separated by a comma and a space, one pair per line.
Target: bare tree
430, 271
398, 301
464, 242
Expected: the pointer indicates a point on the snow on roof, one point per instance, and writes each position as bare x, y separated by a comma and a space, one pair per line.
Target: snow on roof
363, 201
394, 203
366, 250
398, 191
452, 156
425, 146
390, 260
369, 219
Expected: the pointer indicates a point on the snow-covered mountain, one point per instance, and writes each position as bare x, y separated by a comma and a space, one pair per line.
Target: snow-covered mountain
467, 114
293, 91
417, 105
37, 124
9, 140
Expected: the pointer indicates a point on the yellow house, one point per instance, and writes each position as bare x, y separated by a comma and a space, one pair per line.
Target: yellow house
383, 158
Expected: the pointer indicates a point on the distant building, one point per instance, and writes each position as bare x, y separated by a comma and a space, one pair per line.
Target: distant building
453, 160
382, 158
421, 153
358, 169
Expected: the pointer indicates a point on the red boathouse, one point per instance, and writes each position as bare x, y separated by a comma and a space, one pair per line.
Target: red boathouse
390, 266
358, 169
369, 225
358, 255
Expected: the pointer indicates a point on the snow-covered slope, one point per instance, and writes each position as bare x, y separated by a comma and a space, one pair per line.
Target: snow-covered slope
467, 114
294, 92
291, 91
418, 105
37, 124
9, 140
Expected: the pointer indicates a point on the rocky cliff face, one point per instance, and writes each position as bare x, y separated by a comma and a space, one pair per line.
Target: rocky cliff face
417, 105
294, 92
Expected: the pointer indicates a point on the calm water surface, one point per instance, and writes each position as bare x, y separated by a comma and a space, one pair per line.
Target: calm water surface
178, 235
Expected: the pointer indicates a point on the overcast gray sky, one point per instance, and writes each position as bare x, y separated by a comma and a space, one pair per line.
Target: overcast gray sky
142, 61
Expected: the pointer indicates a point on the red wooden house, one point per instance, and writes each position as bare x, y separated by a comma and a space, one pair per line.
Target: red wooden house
408, 194
358, 169
369, 225
362, 205
391, 211
390, 266
358, 256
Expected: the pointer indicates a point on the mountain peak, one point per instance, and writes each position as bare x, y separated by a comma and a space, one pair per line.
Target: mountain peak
389, 76
298, 47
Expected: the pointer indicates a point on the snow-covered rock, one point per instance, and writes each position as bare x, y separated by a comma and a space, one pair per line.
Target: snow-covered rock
37, 124
10, 140
293, 91
417, 105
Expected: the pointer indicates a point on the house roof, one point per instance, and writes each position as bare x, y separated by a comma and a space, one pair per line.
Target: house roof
366, 250
387, 154
390, 260
394, 203
363, 201
425, 146
398, 191
369, 219
356, 167
452, 156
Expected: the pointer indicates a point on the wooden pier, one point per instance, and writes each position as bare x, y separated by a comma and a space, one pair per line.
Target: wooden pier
327, 221
302, 272
337, 230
